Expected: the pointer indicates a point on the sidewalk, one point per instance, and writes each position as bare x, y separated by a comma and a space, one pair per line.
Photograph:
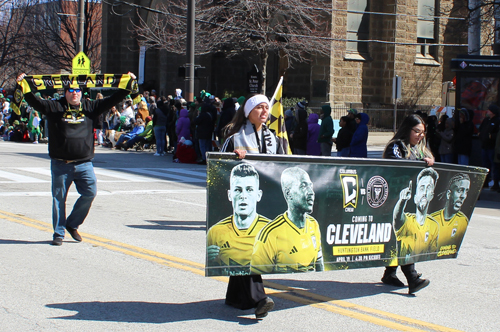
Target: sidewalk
379, 139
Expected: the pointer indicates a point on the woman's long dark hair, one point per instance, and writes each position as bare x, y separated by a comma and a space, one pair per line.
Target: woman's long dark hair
238, 120
404, 131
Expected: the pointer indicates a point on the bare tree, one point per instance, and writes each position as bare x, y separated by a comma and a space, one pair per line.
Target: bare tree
55, 34
13, 51
294, 29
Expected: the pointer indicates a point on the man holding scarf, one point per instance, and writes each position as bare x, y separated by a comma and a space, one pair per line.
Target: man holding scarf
71, 123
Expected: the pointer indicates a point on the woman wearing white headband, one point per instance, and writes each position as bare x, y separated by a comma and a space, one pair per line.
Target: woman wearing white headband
248, 134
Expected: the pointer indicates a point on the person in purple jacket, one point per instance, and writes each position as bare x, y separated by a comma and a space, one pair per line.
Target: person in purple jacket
183, 126
360, 137
313, 148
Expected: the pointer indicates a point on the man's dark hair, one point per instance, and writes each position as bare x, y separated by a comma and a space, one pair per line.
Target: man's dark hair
428, 172
458, 177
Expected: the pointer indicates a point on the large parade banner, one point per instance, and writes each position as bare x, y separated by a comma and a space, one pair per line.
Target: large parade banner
287, 214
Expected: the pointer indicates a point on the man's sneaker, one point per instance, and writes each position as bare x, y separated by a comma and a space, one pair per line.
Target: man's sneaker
57, 241
417, 285
157, 154
74, 234
263, 307
392, 281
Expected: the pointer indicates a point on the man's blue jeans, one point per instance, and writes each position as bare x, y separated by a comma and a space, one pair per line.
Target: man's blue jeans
205, 146
63, 175
160, 135
344, 152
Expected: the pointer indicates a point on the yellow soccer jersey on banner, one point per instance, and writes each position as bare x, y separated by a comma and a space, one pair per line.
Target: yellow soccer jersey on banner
451, 231
236, 245
416, 239
282, 247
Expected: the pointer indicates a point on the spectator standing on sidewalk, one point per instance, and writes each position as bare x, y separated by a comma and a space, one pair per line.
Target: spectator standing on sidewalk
300, 132
313, 130
351, 123
360, 137
326, 131
463, 137
446, 145
160, 117
204, 128
497, 161
488, 135
344, 137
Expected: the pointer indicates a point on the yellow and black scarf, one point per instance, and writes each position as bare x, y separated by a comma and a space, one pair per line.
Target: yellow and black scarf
35, 83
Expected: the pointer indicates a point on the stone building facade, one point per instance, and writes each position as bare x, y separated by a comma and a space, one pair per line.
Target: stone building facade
358, 73
365, 78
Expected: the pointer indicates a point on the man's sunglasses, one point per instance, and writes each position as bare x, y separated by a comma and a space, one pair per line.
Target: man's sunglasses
74, 90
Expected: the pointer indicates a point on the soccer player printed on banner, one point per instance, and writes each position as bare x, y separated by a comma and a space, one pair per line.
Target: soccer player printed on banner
452, 222
417, 232
292, 241
230, 241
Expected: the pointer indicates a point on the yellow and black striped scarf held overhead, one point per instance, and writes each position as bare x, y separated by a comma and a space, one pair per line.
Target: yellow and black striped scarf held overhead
36, 83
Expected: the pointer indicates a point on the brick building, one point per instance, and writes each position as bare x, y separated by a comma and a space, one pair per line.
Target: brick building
372, 41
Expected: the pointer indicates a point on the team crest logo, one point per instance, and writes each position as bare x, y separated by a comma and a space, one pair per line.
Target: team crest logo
377, 191
349, 190
18, 95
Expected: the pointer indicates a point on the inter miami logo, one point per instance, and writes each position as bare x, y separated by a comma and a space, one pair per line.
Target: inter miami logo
377, 191
349, 190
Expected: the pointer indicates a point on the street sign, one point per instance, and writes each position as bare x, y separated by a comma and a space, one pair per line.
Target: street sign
396, 87
81, 64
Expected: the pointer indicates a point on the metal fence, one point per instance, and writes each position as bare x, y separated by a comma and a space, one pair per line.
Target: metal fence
381, 119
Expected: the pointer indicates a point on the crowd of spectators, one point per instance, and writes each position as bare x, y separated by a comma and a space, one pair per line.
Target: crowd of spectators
187, 130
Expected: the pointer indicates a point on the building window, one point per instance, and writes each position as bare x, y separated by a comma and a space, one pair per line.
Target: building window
358, 26
426, 32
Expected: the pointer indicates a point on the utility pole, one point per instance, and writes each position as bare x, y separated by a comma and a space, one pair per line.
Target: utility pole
474, 33
81, 25
496, 42
189, 95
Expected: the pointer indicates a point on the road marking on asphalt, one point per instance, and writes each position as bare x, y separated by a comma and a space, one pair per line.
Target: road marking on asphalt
113, 175
298, 295
18, 178
165, 174
73, 193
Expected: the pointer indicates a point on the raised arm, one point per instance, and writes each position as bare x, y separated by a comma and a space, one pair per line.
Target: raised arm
399, 209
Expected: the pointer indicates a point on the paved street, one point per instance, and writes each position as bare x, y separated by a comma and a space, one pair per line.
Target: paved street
140, 266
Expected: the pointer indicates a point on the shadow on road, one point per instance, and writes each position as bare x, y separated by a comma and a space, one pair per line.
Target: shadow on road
339, 290
8, 241
156, 313
173, 225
